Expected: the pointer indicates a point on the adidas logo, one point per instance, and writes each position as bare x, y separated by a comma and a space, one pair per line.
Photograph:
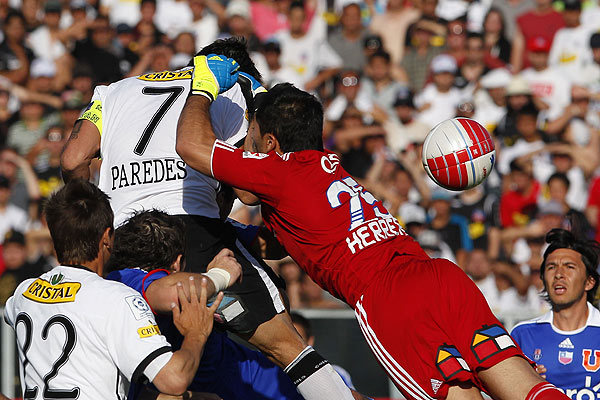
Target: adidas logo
435, 385
566, 344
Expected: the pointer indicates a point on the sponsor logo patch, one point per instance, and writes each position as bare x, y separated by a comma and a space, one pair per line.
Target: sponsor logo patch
489, 341
167, 75
147, 331
449, 361
43, 291
138, 306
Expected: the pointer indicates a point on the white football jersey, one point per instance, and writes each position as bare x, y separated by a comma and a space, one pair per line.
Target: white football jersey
137, 118
79, 335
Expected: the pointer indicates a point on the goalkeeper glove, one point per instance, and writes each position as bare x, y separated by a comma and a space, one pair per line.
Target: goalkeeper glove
213, 74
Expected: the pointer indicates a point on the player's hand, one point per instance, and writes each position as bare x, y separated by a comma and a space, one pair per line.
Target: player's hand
254, 84
226, 261
192, 316
541, 369
213, 74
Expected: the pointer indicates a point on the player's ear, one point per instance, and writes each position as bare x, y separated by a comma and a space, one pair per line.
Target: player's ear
589, 283
271, 143
176, 265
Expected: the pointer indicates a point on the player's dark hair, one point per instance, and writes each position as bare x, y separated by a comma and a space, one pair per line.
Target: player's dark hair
561, 177
233, 47
589, 250
148, 240
303, 322
77, 216
293, 116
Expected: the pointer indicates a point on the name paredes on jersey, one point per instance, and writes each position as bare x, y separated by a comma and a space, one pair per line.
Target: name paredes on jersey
147, 172
373, 231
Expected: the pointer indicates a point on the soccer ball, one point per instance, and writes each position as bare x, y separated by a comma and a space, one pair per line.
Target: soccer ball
458, 154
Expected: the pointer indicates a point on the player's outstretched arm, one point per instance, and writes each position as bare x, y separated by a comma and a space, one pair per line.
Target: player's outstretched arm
162, 293
213, 74
194, 320
83, 146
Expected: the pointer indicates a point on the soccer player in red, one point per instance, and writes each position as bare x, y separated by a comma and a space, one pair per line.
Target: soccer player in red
424, 319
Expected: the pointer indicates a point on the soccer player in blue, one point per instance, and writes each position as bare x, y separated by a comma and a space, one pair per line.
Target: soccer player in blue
150, 248
565, 342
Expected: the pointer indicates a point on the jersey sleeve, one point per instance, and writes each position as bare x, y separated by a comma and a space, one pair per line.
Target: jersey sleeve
93, 112
258, 173
246, 233
229, 117
137, 279
133, 338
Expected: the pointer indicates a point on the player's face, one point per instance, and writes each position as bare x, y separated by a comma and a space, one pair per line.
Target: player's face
254, 140
566, 279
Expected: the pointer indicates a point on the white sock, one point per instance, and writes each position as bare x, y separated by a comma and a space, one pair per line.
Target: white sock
315, 378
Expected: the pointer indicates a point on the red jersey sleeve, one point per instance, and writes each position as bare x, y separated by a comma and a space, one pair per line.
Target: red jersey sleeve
594, 194
258, 173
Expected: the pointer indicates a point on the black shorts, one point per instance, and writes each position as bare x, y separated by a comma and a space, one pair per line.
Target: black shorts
249, 303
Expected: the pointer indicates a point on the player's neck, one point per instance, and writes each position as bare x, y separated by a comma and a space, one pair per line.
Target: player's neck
94, 265
570, 318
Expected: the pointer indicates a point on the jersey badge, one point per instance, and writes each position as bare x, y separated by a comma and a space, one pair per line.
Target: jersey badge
537, 354
52, 292
147, 331
565, 357
449, 362
490, 340
566, 344
164, 76
587, 360
138, 306
330, 162
258, 156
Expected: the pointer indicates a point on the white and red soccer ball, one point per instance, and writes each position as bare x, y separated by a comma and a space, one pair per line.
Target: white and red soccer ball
458, 154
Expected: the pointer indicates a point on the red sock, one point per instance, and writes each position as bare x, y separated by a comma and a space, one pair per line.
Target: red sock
545, 391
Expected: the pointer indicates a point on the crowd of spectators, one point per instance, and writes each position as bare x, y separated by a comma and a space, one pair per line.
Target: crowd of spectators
386, 72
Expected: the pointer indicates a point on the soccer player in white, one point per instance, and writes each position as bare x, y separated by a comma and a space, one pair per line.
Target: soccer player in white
82, 337
132, 125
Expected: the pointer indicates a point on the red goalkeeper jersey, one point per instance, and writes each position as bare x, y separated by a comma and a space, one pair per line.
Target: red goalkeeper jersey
334, 229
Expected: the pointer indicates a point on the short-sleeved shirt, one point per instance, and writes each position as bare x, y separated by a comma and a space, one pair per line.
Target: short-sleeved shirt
572, 359
99, 333
336, 231
137, 119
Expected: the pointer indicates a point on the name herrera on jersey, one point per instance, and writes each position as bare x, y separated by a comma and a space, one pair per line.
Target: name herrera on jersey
373, 231
147, 171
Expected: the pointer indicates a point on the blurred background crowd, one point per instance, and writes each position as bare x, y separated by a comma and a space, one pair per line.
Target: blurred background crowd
387, 71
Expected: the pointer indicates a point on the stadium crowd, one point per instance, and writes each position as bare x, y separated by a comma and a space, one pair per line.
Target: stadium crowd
386, 72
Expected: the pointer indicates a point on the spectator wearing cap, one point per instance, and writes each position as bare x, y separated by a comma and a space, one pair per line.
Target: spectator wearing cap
44, 157
570, 50
392, 26
348, 39
490, 100
47, 41
402, 128
310, 57
420, 54
17, 268
541, 21
550, 89
518, 95
452, 228
125, 47
518, 204
15, 56
205, 24
439, 99
379, 84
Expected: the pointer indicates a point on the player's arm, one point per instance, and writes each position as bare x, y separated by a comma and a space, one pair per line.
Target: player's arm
162, 293
83, 146
212, 75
